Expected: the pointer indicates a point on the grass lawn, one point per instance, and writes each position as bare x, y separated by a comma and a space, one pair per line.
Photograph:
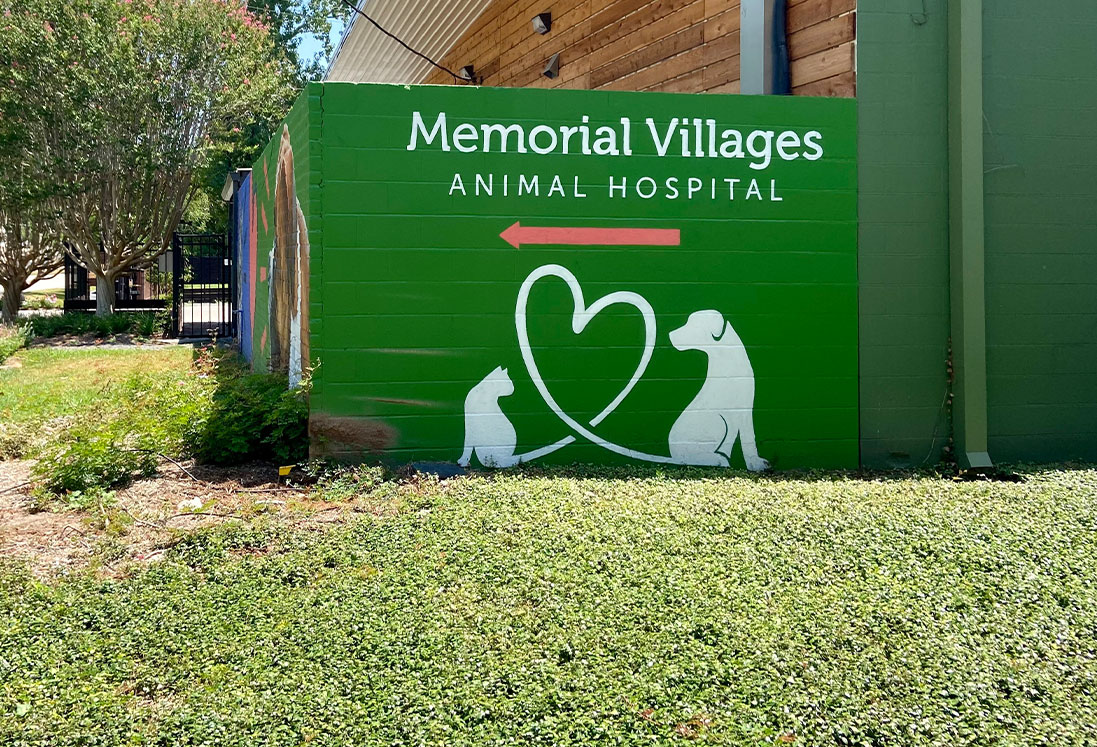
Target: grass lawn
54, 382
47, 298
599, 608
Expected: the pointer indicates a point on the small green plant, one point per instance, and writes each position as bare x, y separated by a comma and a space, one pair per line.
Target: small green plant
337, 483
86, 457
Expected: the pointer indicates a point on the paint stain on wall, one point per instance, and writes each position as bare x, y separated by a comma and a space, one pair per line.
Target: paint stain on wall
351, 433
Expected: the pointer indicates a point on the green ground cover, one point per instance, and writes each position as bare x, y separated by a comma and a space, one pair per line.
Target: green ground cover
552, 608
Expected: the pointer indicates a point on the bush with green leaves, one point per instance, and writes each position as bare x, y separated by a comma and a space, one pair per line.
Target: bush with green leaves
41, 301
78, 323
86, 459
254, 417
215, 411
120, 438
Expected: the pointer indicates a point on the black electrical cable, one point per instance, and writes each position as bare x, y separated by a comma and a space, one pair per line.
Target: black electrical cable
401, 42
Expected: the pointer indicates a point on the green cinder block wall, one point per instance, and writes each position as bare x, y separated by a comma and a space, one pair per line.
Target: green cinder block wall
1040, 152
903, 256
416, 301
1040, 184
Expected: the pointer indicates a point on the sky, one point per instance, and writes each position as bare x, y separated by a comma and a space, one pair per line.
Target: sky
310, 45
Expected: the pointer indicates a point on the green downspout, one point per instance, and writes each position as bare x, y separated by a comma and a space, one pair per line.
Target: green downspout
966, 233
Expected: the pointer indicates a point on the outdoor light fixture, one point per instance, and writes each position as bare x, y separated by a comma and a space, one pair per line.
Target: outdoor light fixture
542, 23
468, 72
552, 69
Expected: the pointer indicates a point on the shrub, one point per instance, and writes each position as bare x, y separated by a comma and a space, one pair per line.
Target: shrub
38, 301
86, 458
254, 416
138, 323
138, 418
215, 411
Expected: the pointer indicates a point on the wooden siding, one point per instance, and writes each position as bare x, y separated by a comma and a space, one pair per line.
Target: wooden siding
644, 45
821, 39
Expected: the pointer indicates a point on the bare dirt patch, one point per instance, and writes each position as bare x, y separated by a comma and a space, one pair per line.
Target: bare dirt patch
147, 517
51, 541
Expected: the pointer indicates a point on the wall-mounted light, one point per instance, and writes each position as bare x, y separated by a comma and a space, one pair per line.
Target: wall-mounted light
542, 23
467, 72
552, 69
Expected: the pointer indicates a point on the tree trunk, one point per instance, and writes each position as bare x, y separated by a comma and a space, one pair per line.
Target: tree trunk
13, 298
104, 295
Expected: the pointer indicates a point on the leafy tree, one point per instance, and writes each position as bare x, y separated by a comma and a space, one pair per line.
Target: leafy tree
120, 104
30, 248
291, 20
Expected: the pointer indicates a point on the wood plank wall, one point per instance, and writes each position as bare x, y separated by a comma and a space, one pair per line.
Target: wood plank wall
650, 45
821, 38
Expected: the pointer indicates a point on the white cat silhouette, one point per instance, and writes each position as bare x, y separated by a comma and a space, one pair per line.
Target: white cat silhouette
488, 433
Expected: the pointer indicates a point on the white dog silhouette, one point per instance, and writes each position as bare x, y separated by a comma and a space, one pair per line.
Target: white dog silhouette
723, 410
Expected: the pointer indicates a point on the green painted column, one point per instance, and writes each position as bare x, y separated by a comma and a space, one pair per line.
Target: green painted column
967, 232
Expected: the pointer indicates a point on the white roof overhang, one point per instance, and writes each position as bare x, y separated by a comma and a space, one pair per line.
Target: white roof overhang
365, 55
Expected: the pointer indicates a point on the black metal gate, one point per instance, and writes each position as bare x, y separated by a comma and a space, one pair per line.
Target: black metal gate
202, 286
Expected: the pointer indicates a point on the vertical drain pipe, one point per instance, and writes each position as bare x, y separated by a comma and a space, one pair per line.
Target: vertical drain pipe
782, 74
967, 233
763, 47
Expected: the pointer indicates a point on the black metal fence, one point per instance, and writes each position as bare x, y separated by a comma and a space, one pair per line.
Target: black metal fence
136, 290
195, 278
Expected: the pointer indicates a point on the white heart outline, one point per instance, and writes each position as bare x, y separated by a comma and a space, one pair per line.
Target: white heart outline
581, 316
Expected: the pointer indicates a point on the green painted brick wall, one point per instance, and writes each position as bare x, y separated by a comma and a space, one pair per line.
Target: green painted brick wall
903, 253
413, 290
1040, 146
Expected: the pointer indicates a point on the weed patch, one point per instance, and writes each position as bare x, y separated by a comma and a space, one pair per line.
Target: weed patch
99, 418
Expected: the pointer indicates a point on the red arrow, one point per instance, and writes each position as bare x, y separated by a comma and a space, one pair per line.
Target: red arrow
517, 234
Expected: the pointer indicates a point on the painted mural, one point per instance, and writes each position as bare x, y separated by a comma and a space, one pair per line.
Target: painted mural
277, 289
288, 263
495, 277
703, 435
